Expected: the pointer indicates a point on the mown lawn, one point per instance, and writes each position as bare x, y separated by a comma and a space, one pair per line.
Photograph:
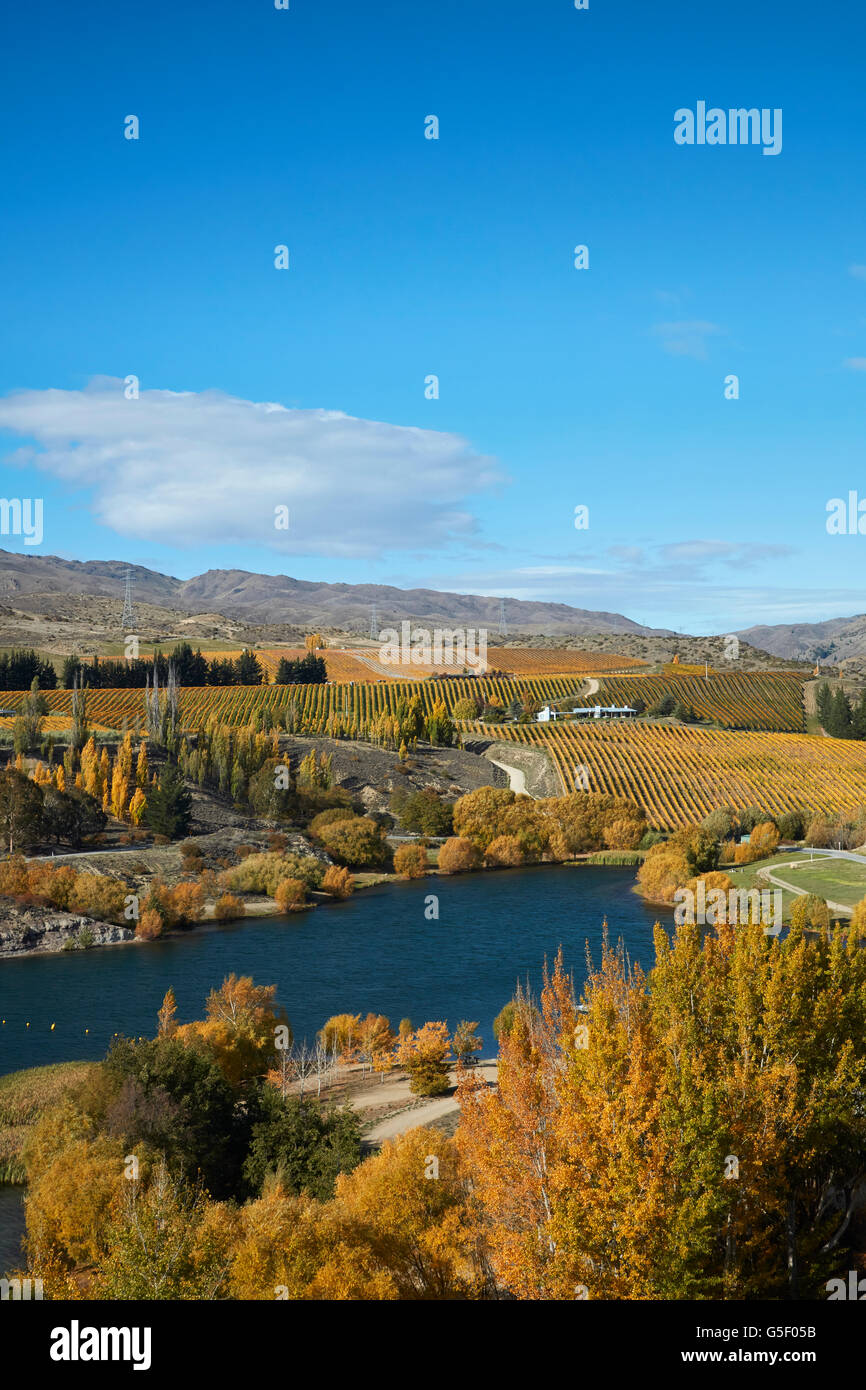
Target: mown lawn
839, 880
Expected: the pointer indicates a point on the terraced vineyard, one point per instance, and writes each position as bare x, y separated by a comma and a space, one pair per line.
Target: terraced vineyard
678, 773
736, 700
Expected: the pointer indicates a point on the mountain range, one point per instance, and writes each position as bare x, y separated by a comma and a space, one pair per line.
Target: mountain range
277, 598
32, 580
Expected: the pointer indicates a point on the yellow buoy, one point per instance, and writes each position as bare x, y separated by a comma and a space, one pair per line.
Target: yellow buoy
52, 1028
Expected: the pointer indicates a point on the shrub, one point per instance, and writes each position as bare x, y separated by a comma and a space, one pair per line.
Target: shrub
410, 861
792, 825
458, 856
764, 840
819, 833
291, 893
188, 903
465, 709
338, 882
357, 842
423, 812
650, 838
664, 870
149, 926
94, 895
330, 817
752, 816
160, 899
261, 873
623, 834
505, 851
190, 849
228, 907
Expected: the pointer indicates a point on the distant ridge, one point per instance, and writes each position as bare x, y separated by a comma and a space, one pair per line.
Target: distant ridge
833, 641
264, 598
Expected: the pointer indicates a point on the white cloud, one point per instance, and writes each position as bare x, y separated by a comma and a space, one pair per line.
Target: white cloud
858, 271
186, 468
856, 364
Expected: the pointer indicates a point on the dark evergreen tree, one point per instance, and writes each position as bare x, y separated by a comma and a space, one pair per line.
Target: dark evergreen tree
169, 805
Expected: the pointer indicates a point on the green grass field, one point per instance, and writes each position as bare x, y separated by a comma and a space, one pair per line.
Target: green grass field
840, 880
837, 880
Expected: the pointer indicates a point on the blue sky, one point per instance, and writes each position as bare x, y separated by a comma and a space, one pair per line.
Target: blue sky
411, 257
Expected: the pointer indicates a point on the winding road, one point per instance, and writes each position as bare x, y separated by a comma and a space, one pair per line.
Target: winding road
516, 777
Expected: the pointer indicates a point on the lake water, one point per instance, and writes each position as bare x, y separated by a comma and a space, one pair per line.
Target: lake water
375, 952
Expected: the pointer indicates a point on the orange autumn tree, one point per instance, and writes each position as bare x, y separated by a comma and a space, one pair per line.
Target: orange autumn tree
696, 1133
424, 1054
340, 1035
239, 1030
507, 1141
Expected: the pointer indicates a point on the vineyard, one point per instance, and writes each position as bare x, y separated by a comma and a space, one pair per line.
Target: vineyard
341, 666
315, 706
737, 700
680, 773
532, 661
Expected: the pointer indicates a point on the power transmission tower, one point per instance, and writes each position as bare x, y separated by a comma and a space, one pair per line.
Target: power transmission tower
374, 625
503, 626
127, 621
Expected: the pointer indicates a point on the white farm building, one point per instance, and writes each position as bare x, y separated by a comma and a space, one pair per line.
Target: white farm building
546, 715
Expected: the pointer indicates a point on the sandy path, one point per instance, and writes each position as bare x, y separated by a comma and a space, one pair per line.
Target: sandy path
417, 1116
516, 778
841, 908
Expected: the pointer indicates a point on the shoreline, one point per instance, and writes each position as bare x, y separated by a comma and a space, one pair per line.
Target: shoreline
268, 908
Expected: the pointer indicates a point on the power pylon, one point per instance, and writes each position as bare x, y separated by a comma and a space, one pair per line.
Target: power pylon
374, 625
127, 620
503, 626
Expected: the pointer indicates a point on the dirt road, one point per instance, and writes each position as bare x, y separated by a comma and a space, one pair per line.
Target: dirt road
397, 1093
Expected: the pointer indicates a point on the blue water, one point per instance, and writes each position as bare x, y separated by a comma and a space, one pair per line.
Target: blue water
376, 952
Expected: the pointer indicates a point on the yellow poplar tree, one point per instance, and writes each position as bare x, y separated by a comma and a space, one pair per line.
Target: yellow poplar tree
90, 768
